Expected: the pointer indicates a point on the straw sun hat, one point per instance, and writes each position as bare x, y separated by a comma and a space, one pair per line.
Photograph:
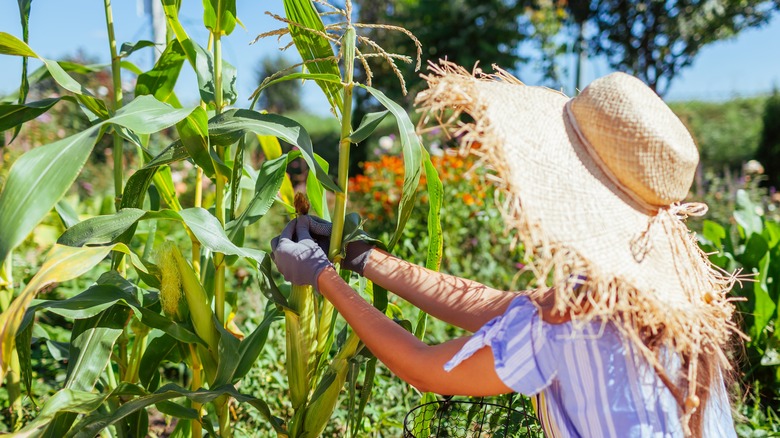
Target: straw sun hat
593, 188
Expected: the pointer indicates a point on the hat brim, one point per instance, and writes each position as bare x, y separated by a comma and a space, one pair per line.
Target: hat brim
574, 222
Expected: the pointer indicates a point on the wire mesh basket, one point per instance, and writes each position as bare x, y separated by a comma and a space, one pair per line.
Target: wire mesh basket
476, 417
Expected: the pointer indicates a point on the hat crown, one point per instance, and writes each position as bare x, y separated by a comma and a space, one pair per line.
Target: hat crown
639, 140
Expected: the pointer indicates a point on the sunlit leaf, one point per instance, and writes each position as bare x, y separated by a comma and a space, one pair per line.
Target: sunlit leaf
62, 263
128, 48
228, 127
367, 126
160, 80
12, 115
219, 16
37, 180
412, 152
314, 48
322, 77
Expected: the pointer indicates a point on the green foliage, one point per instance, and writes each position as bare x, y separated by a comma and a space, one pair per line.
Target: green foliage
474, 243
727, 133
465, 32
749, 241
146, 314
768, 152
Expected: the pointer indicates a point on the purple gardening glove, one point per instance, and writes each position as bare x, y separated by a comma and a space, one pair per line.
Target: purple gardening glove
357, 251
297, 256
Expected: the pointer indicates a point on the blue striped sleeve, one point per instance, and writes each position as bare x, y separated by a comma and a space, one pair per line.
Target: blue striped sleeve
519, 345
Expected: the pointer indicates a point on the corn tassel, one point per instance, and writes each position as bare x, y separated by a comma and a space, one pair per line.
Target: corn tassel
327, 393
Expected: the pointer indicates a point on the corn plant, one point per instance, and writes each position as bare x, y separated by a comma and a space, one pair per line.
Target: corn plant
309, 321
147, 309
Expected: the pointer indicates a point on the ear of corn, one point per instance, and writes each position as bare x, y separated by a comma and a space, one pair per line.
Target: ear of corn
198, 303
301, 334
326, 395
170, 284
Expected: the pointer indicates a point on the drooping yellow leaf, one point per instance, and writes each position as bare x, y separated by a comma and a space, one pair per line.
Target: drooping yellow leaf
62, 263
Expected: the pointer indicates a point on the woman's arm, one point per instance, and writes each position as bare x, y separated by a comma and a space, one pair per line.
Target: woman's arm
457, 301
410, 359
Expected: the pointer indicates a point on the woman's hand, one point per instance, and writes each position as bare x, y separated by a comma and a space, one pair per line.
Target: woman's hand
357, 251
299, 259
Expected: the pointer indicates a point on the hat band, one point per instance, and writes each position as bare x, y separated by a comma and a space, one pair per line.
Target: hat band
641, 243
602, 165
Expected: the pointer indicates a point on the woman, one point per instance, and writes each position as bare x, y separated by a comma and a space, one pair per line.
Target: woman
630, 339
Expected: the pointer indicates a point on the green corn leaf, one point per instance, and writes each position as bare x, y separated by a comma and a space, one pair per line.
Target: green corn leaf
433, 259
365, 393
10, 45
764, 306
163, 183
37, 180
14, 115
147, 115
252, 345
435, 197
236, 177
138, 183
322, 77
24, 351
111, 290
160, 80
137, 423
412, 152
219, 16
128, 48
48, 171
228, 354
92, 424
176, 410
269, 181
367, 126
101, 229
62, 263
228, 127
92, 341
268, 286
67, 214
200, 59
316, 192
64, 400
24, 16
194, 134
91, 344
314, 48
211, 235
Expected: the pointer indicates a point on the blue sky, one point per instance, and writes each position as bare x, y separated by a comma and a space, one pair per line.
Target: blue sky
743, 66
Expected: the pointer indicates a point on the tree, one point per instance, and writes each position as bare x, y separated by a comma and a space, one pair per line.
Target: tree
463, 31
282, 97
769, 148
655, 39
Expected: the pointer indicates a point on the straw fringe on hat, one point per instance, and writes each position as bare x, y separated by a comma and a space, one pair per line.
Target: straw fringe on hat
592, 187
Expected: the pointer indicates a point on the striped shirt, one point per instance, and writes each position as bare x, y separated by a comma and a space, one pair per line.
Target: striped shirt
585, 381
